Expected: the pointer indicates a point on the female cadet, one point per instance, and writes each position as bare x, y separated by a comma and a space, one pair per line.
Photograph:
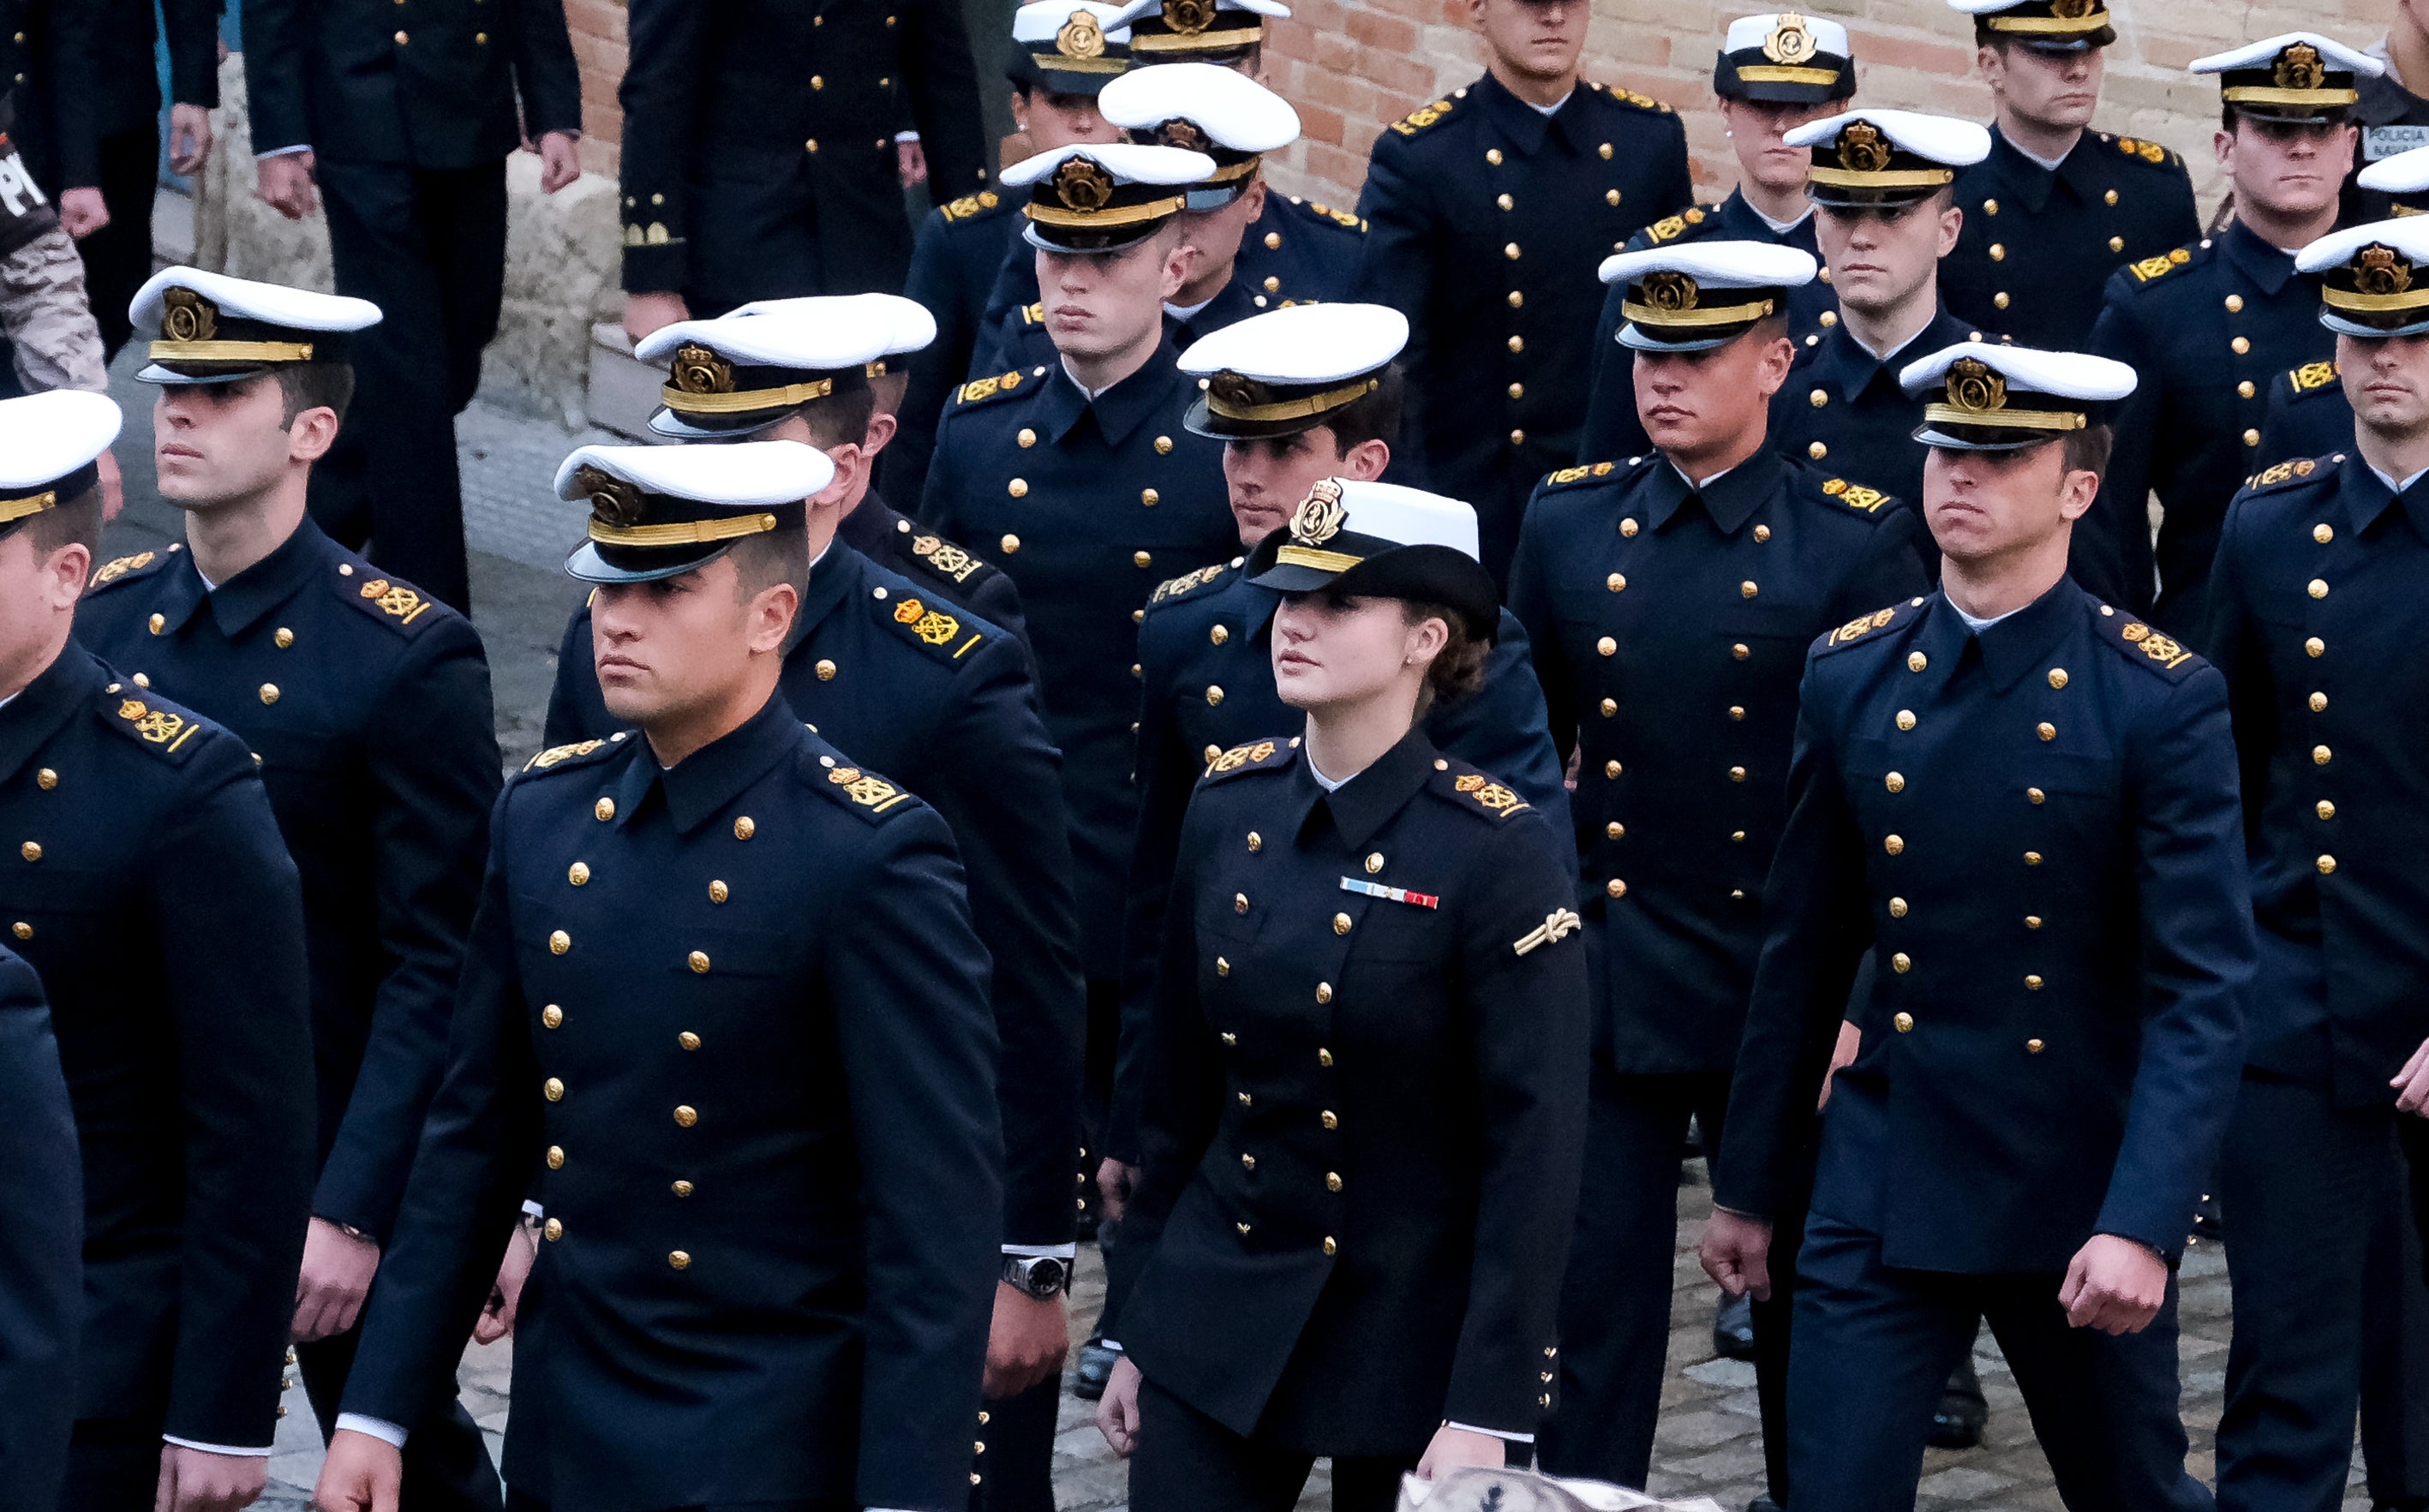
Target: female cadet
1365, 1069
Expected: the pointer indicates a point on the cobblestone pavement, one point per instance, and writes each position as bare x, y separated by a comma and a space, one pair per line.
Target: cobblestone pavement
1708, 1444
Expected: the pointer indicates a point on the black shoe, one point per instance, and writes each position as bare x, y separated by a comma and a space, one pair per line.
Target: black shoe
1093, 1367
1962, 1413
1733, 1328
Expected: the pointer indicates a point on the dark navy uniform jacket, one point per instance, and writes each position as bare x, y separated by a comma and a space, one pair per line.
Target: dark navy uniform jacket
1843, 410
436, 86
2039, 246
42, 1234
369, 708
1365, 1116
2206, 329
735, 1014
1296, 253
942, 702
961, 248
1488, 221
2392, 120
1087, 504
2315, 617
743, 115
1206, 658
1612, 428
143, 879
2035, 832
1669, 627
2308, 416
935, 565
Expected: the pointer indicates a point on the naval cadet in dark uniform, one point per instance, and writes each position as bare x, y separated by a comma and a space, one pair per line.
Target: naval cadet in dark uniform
1668, 598
2020, 802
2208, 327
1063, 52
145, 882
42, 1235
2055, 209
2308, 414
368, 706
718, 972
1487, 213
908, 681
1775, 73
1363, 1094
1297, 397
1079, 479
2315, 608
403, 120
1886, 213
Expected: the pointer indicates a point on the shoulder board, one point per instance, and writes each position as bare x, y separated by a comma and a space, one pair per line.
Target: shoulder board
970, 205
2149, 152
163, 728
119, 570
1422, 117
1587, 472
1475, 791
980, 390
2313, 376
2289, 475
2147, 647
946, 560
400, 607
1641, 102
556, 756
935, 627
1864, 627
1670, 228
1034, 314
1856, 496
866, 794
1256, 756
1189, 583
1346, 219
2151, 269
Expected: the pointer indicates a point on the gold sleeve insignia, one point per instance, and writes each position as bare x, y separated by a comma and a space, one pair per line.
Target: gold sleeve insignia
1422, 117
554, 754
1557, 925
2312, 375
158, 726
113, 570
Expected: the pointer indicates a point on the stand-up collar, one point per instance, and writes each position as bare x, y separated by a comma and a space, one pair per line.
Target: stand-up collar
1233, 303
29, 719
2367, 499
1119, 410
831, 580
1361, 806
2268, 269
2032, 185
1731, 498
1520, 123
240, 604
1842, 362
705, 781
2011, 651
869, 525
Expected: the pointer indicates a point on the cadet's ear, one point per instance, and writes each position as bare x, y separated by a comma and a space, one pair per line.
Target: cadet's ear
311, 433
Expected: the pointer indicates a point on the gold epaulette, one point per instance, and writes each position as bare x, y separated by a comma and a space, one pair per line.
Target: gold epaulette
1188, 582
1493, 797
937, 628
978, 390
970, 205
2284, 472
1568, 477
2150, 152
1642, 102
2151, 267
1856, 496
1254, 756
1422, 117
117, 567
556, 755
1864, 626
2312, 375
2160, 650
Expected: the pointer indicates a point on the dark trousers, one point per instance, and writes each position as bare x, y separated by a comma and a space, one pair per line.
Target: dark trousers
1615, 1302
1187, 1462
1874, 1349
2395, 1364
1016, 1473
118, 257
113, 1465
2311, 1192
428, 246
447, 1466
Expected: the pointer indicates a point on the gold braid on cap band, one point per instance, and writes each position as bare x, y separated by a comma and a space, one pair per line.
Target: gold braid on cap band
2006, 420
1776, 74
1718, 315
2049, 25
690, 533
1899, 178
1087, 219
1322, 561
1203, 41
2260, 95
13, 510
2339, 298
1230, 170
231, 352
1081, 65
685, 403
874, 370
1291, 409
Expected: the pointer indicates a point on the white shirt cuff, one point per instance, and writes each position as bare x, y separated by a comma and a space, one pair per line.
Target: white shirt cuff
1043, 1252
1491, 1433
215, 1449
379, 1428
283, 152
1109, 1344
906, 135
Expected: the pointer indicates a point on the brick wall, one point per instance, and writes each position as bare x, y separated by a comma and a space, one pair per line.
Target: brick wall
1351, 66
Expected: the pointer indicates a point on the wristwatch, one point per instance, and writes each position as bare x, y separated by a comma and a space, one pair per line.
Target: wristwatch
1038, 1275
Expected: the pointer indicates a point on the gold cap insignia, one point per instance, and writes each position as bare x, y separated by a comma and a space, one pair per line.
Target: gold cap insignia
1861, 149
1670, 291
1184, 135
1237, 391
2381, 270
1189, 16
2073, 9
1975, 388
1790, 40
613, 502
1082, 186
2299, 67
1081, 37
699, 370
189, 317
1319, 517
